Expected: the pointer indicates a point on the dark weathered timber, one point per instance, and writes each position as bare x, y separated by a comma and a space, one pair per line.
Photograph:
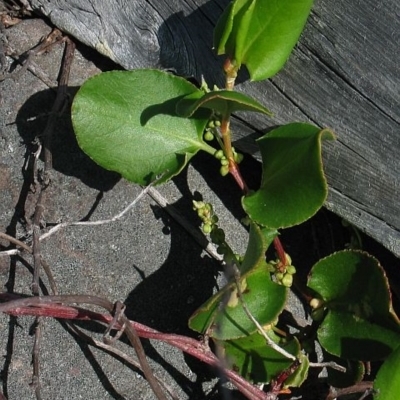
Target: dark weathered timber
343, 74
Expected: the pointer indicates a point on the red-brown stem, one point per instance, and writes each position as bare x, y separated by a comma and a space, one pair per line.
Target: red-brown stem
233, 166
226, 137
280, 251
231, 70
235, 172
50, 306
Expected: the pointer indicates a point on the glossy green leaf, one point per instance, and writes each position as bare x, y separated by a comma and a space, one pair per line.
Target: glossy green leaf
293, 186
126, 122
300, 375
261, 33
252, 358
348, 336
224, 101
387, 384
224, 312
360, 323
231, 28
259, 241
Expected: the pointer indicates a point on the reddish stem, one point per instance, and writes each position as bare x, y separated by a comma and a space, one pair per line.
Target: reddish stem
235, 172
44, 306
231, 70
280, 251
233, 166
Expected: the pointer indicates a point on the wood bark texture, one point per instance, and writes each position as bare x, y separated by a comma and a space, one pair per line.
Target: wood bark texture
343, 74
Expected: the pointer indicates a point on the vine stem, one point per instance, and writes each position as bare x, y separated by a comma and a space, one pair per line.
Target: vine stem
228, 150
280, 251
56, 307
231, 70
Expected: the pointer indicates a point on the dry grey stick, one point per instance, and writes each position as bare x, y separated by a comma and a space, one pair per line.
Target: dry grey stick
365, 387
117, 217
15, 241
40, 205
328, 364
35, 357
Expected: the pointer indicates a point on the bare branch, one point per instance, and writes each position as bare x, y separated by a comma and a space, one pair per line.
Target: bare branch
365, 387
35, 357
16, 242
100, 222
12, 252
329, 364
112, 350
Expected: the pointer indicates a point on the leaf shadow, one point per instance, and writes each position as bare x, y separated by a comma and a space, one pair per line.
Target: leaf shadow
166, 108
188, 53
68, 158
166, 298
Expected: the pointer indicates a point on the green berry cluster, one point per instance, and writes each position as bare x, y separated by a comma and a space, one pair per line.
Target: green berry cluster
220, 155
213, 124
206, 214
283, 272
210, 131
217, 235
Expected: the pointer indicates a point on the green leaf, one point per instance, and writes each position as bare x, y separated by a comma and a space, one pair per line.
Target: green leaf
252, 358
360, 323
261, 33
224, 101
126, 122
387, 384
264, 298
293, 186
259, 241
300, 375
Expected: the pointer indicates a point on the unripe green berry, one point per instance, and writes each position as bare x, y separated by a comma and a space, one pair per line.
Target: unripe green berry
279, 276
219, 154
316, 303
224, 161
287, 280
208, 207
291, 269
217, 123
208, 135
238, 157
224, 170
198, 204
207, 228
270, 267
211, 124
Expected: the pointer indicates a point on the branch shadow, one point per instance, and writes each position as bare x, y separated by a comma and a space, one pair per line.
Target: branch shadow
167, 298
